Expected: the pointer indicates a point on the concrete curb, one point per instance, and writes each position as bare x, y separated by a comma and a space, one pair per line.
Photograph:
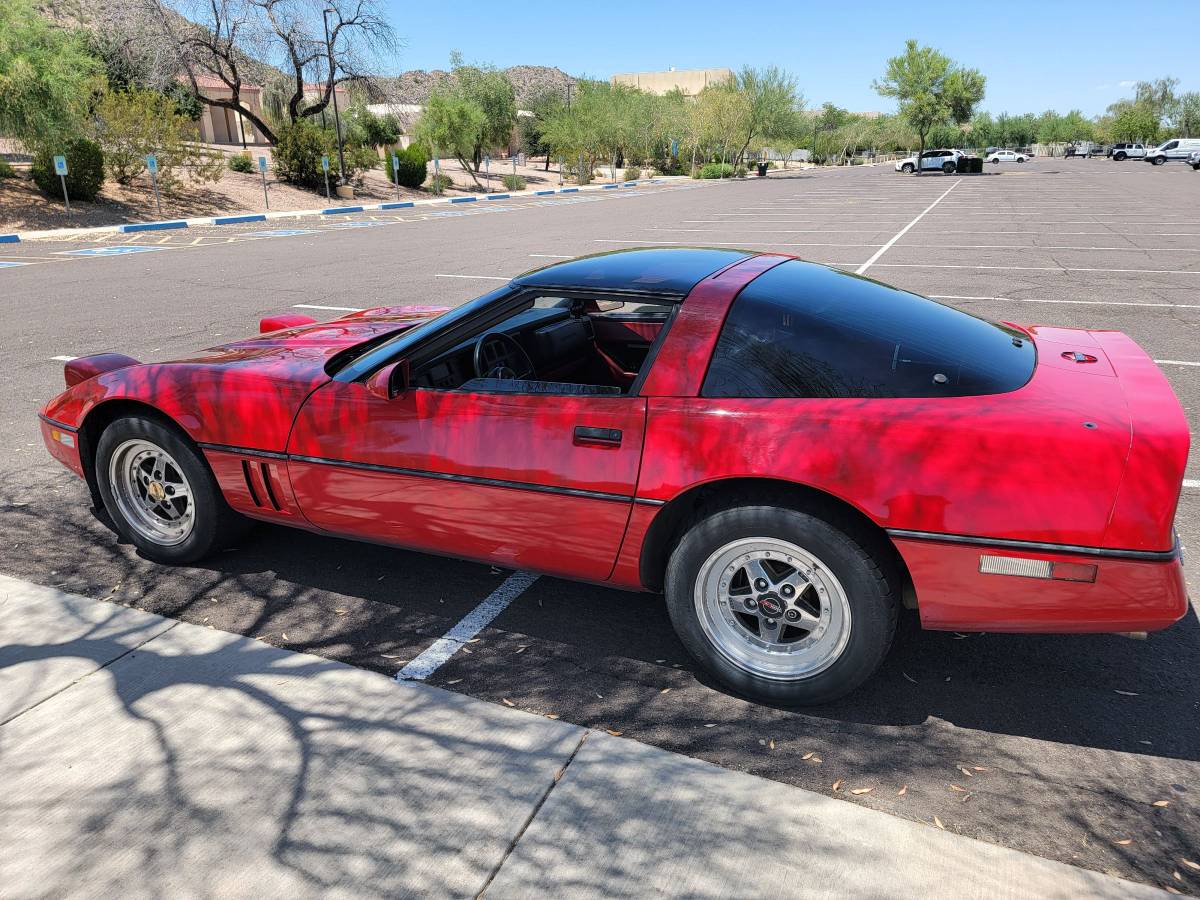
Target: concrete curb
237, 218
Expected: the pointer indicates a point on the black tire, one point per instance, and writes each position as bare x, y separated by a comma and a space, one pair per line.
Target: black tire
995, 160
868, 586
949, 168
1118, 156
1159, 160
1020, 159
1196, 167
215, 524
907, 168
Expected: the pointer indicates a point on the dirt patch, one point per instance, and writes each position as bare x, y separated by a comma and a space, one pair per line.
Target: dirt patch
25, 208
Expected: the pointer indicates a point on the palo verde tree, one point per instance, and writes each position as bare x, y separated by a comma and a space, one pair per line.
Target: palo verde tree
931, 89
48, 80
490, 90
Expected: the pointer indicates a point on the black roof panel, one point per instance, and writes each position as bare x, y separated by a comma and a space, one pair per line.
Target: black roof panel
659, 270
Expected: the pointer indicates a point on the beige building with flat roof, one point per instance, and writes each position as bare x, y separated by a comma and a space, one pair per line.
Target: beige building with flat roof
690, 81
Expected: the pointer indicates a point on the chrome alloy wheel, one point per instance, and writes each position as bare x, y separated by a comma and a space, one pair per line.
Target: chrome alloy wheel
772, 608
152, 492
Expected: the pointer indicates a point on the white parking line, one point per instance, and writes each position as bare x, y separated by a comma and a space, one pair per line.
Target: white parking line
1175, 362
482, 277
1040, 268
331, 308
1191, 483
432, 658
884, 249
63, 358
1073, 302
550, 256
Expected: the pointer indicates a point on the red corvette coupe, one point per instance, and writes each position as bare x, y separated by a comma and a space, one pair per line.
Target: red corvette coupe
789, 452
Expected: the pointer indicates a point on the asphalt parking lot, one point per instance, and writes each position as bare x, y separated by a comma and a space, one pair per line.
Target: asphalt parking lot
1057, 745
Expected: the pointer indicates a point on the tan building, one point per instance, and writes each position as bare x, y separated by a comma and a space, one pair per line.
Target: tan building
690, 81
219, 125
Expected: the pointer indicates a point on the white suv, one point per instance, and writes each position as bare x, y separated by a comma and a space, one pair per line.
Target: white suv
1000, 156
931, 161
1177, 148
1128, 151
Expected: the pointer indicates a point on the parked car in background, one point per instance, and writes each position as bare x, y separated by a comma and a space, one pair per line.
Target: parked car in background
1176, 148
1194, 160
1127, 151
1000, 156
1086, 149
931, 161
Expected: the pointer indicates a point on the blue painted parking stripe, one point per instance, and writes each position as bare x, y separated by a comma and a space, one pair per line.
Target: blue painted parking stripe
569, 191
405, 205
4, 264
609, 187
10, 239
463, 199
630, 183
496, 197
542, 193
340, 209
153, 226
233, 220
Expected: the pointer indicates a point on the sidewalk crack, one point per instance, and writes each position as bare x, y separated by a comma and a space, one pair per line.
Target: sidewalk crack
99, 668
532, 815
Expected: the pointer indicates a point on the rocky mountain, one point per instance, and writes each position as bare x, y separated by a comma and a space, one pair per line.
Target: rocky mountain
528, 82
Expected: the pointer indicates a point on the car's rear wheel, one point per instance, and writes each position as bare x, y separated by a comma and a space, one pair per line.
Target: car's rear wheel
160, 493
995, 160
948, 168
907, 168
1020, 159
780, 605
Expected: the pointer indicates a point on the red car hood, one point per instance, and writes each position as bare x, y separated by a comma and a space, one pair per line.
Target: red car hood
245, 393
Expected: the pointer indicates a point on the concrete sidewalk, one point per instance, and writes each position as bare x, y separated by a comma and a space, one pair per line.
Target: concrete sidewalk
145, 757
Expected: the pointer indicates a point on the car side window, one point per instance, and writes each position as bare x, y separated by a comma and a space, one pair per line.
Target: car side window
801, 330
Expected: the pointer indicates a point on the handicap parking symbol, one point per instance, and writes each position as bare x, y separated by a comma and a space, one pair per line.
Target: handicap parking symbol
5, 264
281, 232
108, 251
354, 224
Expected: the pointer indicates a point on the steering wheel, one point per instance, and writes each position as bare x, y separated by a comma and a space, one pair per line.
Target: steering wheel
498, 355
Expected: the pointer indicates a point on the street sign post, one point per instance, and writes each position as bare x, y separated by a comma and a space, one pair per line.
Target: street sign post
325, 169
60, 169
396, 173
152, 168
487, 170
437, 175
560, 172
262, 168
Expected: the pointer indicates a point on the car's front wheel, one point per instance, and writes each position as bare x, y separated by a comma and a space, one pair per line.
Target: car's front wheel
160, 493
1159, 160
780, 605
1118, 156
907, 168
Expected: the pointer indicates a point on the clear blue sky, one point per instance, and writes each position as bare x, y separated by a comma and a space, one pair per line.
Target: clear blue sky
1081, 54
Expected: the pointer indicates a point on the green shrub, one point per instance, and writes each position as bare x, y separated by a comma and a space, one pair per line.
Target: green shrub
438, 184
514, 182
715, 170
131, 125
85, 170
6, 171
241, 162
632, 174
298, 151
413, 167
358, 160
740, 172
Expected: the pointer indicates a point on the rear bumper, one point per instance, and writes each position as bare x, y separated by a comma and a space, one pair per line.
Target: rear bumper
1129, 593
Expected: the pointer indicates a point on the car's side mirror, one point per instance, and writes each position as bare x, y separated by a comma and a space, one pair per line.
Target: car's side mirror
391, 381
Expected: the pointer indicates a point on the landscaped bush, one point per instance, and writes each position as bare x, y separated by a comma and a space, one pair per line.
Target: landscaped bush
298, 151
514, 182
438, 184
358, 160
241, 162
413, 167
632, 174
6, 171
716, 170
131, 125
85, 170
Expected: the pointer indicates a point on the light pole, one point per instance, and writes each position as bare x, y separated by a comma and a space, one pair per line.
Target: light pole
337, 122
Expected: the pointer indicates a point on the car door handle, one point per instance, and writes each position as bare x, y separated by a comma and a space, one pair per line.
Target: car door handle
586, 436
